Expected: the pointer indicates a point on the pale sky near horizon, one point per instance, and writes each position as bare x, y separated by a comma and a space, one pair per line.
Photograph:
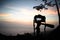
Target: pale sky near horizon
21, 13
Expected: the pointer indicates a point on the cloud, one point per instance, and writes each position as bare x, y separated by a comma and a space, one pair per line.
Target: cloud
4, 14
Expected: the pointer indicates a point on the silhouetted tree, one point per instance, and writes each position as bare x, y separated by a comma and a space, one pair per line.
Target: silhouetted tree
41, 6
38, 19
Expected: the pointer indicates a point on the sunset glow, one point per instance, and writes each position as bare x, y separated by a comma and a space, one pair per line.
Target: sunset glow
20, 14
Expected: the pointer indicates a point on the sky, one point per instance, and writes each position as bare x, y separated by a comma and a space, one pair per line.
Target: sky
16, 16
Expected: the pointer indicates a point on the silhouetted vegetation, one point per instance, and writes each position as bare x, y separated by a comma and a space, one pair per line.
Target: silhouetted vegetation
49, 3
54, 35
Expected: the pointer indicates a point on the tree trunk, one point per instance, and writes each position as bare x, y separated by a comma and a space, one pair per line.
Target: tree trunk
57, 11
